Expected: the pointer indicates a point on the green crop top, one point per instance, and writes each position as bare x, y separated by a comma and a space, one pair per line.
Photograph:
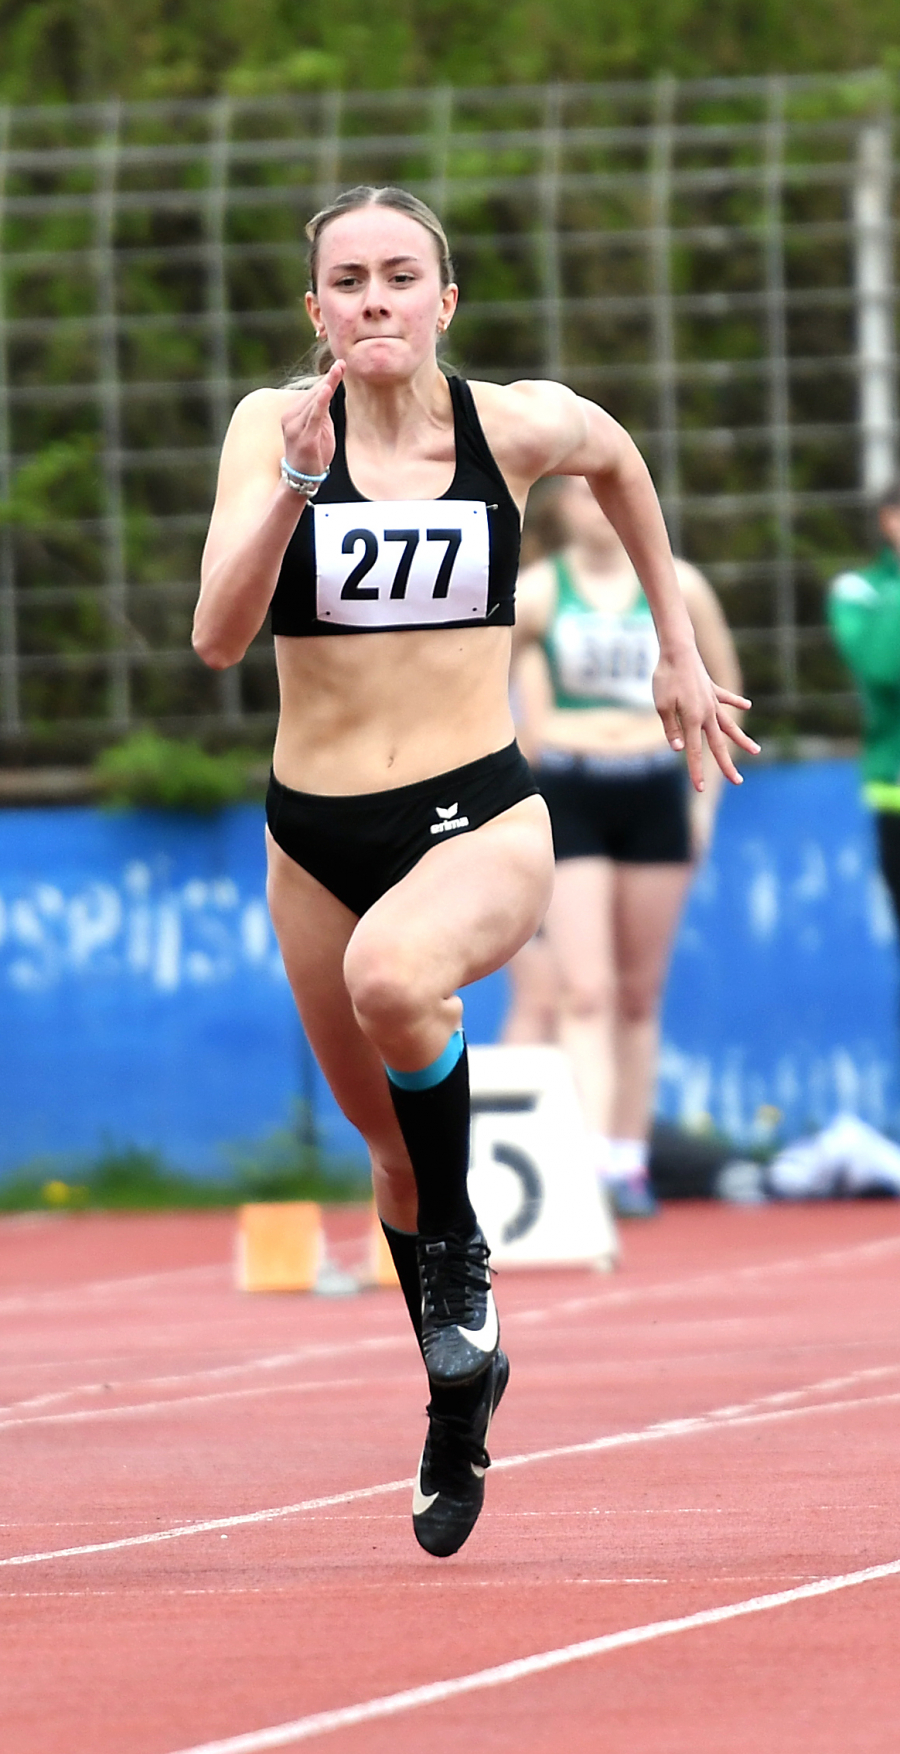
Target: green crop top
864, 611
596, 658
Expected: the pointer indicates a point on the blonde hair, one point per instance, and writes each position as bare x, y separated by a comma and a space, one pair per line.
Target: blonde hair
349, 201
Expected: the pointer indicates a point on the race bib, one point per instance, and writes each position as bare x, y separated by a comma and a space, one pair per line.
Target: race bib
402, 562
599, 659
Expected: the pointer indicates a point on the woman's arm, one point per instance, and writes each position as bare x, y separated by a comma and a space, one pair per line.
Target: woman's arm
544, 429
717, 649
255, 513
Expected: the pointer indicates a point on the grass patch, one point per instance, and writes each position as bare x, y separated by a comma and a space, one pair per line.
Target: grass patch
131, 1180
150, 770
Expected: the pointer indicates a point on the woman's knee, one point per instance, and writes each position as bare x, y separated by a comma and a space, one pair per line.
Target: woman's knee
386, 984
586, 997
638, 999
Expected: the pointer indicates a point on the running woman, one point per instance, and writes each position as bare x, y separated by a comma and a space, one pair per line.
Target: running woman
376, 512
624, 830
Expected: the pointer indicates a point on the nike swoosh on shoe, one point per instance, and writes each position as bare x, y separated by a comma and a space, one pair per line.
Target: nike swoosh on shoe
485, 1339
422, 1501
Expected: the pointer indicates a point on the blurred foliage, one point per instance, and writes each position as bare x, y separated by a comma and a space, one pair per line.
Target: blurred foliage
59, 482
129, 1179
84, 49
125, 356
146, 769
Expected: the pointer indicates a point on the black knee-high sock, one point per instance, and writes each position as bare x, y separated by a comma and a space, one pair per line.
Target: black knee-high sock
462, 1400
435, 1125
402, 1245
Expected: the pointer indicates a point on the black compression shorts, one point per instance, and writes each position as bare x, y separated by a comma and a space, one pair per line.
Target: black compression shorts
887, 828
633, 812
361, 845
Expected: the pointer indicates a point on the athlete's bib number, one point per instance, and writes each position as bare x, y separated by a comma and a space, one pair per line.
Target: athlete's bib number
402, 563
600, 660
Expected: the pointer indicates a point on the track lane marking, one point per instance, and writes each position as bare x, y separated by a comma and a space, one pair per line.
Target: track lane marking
320, 1723
138, 1409
717, 1419
568, 1306
123, 1410
273, 1361
39, 1300
711, 1281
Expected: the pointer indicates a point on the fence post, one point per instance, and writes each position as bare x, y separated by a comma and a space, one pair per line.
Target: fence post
779, 391
660, 241
442, 129
109, 393
548, 234
873, 265
9, 631
229, 681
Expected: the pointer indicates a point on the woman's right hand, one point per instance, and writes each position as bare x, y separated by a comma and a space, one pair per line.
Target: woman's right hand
308, 428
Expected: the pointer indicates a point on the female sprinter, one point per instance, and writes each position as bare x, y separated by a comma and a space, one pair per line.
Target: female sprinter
377, 514
624, 832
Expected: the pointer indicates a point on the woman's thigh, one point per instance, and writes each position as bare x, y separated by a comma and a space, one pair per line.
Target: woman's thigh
313, 930
464, 909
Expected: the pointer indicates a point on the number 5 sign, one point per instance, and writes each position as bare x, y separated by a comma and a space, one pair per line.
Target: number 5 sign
531, 1179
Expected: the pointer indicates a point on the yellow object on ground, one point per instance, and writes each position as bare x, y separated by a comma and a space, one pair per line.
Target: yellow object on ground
279, 1246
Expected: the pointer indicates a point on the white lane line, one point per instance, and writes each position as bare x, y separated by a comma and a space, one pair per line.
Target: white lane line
568, 1306
212, 1525
274, 1361
712, 1281
718, 1419
35, 1301
137, 1409
714, 1421
127, 1409
304, 1729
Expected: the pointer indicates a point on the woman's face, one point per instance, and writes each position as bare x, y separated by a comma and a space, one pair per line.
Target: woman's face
379, 298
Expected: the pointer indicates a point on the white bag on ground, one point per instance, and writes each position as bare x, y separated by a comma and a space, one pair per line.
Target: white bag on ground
847, 1158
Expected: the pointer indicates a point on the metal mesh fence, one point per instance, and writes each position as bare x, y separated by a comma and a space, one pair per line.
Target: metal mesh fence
713, 261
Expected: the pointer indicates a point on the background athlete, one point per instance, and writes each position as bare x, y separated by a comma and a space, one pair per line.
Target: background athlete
864, 612
625, 831
377, 512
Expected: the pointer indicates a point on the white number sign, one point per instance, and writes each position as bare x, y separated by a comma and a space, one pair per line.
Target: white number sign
531, 1179
402, 563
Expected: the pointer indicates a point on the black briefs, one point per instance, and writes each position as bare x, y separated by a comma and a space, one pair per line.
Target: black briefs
359, 846
634, 813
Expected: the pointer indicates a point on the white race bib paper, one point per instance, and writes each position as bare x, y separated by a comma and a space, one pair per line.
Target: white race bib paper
402, 562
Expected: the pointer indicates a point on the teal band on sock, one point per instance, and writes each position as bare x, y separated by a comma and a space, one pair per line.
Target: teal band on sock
436, 1072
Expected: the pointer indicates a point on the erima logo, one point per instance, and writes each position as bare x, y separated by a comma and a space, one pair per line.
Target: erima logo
449, 819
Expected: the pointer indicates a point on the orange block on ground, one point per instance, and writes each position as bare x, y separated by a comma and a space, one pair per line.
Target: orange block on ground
279, 1246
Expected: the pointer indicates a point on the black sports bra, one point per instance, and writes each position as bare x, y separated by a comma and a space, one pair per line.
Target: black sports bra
356, 565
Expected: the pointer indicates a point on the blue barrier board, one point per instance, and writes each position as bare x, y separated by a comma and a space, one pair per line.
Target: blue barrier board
143, 1001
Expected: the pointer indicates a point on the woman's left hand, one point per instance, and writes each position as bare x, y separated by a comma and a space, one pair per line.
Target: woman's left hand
691, 706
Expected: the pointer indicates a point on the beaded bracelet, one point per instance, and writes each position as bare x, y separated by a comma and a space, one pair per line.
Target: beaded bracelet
308, 485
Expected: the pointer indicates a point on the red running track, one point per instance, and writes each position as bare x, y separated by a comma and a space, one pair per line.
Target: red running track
205, 1537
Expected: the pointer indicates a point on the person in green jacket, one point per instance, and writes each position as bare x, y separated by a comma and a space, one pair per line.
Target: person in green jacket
864, 614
